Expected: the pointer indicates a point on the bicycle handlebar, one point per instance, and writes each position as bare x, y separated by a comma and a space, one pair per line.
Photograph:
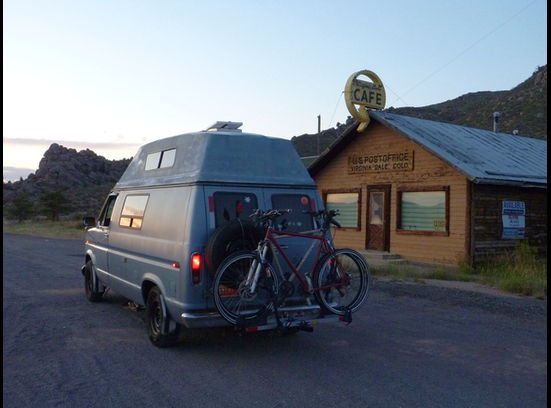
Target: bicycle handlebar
325, 217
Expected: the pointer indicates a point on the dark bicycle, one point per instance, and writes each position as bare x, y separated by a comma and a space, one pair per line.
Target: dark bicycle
248, 288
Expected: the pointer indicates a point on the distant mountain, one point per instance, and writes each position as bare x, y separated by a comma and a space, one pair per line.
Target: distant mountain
83, 177
307, 144
523, 108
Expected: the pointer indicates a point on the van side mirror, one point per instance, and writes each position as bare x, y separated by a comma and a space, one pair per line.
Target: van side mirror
89, 222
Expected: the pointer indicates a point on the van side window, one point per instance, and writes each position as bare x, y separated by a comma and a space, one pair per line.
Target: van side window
160, 160
105, 215
296, 220
167, 158
133, 211
229, 206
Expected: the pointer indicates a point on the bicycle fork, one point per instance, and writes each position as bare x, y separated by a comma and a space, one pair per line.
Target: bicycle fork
255, 270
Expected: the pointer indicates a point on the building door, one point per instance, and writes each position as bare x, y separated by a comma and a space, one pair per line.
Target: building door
378, 218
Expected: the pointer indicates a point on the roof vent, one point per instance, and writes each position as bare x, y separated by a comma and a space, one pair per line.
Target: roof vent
233, 126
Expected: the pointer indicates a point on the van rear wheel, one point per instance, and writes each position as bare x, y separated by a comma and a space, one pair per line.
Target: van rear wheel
158, 321
90, 285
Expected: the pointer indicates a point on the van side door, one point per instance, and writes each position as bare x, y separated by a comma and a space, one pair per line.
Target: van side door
99, 238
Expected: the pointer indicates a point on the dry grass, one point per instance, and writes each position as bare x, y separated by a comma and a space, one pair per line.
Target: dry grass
521, 272
49, 229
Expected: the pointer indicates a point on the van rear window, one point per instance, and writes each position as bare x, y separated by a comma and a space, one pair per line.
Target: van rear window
229, 206
296, 220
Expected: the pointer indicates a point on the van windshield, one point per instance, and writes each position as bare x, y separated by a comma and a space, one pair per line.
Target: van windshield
229, 206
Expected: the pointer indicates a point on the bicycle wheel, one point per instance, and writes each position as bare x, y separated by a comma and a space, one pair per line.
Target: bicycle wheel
341, 281
233, 297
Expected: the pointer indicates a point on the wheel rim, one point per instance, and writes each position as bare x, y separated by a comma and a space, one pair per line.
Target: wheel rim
233, 299
347, 269
156, 318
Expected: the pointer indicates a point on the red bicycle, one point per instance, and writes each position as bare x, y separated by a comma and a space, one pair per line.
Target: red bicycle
247, 288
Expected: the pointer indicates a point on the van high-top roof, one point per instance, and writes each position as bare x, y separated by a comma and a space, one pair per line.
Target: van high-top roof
220, 157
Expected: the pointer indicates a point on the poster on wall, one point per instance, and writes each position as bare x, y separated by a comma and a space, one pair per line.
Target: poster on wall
513, 215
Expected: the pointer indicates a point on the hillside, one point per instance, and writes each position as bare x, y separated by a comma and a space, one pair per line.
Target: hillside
84, 178
523, 108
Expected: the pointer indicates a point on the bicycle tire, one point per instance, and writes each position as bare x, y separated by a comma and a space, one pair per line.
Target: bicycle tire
341, 300
234, 304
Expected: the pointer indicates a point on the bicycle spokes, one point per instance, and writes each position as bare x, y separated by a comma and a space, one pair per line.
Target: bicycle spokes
341, 282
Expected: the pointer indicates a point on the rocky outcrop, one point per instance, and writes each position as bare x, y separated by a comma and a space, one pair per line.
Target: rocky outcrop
83, 177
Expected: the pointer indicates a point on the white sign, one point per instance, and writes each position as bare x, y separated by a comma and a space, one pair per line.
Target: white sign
513, 219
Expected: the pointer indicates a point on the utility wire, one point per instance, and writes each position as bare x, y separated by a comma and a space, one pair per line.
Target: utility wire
466, 49
335, 110
398, 97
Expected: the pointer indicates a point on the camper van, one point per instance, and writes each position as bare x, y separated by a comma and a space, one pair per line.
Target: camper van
180, 208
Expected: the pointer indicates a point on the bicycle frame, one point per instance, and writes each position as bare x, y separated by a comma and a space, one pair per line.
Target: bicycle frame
271, 238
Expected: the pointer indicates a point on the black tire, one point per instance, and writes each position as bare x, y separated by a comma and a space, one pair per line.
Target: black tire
237, 235
90, 287
230, 297
158, 321
347, 298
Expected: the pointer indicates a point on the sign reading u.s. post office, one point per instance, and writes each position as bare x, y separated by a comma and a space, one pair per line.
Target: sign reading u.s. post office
359, 163
361, 95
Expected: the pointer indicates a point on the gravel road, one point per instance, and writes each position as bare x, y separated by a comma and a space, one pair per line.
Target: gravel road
412, 345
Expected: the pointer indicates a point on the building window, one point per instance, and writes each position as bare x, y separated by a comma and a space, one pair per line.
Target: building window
348, 204
160, 160
424, 211
133, 211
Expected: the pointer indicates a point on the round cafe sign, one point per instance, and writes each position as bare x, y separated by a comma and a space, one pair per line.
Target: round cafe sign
361, 95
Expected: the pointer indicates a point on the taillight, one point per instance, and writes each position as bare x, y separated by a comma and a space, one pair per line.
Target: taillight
196, 263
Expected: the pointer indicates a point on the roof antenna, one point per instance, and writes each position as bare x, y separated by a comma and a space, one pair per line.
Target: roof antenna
497, 116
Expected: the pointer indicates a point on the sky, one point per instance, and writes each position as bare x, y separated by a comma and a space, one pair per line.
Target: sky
111, 75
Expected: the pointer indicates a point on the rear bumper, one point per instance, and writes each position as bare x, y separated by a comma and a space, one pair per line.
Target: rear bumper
290, 315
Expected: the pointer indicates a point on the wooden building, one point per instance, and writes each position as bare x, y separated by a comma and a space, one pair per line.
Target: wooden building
435, 192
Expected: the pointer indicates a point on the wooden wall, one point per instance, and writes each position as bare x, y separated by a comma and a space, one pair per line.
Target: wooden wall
429, 171
487, 226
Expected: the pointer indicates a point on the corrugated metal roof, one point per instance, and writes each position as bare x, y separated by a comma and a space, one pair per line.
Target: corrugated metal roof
481, 155
220, 157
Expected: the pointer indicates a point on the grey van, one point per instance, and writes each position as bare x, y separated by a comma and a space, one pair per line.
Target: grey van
180, 208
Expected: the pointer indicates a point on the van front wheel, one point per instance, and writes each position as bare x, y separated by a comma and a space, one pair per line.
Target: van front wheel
90, 286
158, 321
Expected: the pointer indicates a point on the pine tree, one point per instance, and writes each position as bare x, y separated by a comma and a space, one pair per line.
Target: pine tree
21, 207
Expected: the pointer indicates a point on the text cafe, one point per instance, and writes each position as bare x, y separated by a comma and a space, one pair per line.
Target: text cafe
431, 191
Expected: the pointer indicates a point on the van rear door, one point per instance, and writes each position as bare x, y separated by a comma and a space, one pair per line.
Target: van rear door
300, 251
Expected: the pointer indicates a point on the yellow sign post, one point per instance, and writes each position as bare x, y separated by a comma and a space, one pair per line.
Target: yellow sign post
366, 95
